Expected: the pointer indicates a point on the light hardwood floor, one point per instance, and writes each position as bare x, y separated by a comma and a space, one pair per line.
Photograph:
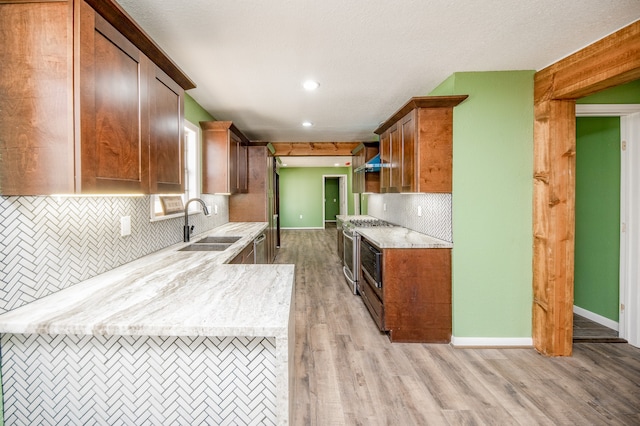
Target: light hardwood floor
350, 374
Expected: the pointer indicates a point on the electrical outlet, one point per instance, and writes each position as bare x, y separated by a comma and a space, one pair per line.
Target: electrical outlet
384, 207
300, 216
419, 211
215, 209
125, 226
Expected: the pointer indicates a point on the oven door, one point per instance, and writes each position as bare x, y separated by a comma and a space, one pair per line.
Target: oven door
351, 259
371, 258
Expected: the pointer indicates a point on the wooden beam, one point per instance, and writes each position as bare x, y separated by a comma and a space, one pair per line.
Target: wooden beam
305, 149
609, 62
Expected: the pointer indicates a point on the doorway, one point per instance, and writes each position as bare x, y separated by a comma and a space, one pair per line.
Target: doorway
334, 195
596, 305
607, 63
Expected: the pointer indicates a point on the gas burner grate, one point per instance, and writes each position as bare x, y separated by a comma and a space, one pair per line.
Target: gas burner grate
370, 223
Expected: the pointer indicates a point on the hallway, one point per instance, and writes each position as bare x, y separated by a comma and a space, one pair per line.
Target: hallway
347, 373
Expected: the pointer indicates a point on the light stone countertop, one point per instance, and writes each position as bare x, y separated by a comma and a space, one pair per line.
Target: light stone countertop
170, 293
399, 237
396, 236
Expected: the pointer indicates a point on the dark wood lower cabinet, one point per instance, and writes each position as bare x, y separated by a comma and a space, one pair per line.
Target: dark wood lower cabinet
245, 257
414, 304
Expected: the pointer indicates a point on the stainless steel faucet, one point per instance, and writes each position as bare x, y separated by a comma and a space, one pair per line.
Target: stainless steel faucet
187, 229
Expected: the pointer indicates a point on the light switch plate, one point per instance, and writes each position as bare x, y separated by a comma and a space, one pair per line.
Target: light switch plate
125, 226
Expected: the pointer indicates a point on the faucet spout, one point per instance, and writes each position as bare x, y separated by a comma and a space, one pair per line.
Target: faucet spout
187, 229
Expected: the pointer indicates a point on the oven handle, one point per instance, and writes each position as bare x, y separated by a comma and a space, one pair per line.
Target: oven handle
345, 271
347, 236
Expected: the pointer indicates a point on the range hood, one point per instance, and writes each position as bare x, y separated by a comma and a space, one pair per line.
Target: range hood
373, 165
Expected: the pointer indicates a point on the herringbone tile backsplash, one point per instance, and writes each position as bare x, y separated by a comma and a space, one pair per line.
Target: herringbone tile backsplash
50, 243
401, 209
138, 380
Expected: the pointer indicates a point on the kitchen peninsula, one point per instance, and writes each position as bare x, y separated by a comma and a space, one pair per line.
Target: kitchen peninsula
177, 337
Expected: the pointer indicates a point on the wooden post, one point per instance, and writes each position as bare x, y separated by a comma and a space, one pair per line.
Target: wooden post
554, 223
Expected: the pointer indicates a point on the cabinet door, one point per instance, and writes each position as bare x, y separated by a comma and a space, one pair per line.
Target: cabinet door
435, 150
113, 138
36, 118
166, 134
385, 160
395, 158
243, 167
215, 158
407, 153
234, 153
357, 160
225, 152
417, 294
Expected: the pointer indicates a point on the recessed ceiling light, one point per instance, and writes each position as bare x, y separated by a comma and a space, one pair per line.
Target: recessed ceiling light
310, 85
336, 164
307, 124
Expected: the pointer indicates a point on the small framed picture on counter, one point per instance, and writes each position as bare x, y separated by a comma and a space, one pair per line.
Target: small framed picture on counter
172, 204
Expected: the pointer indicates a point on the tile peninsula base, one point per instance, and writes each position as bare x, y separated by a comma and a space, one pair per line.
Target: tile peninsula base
139, 380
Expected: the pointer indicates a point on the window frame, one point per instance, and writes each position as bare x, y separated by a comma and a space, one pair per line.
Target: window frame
191, 172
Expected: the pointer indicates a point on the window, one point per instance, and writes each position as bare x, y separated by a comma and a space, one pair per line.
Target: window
191, 172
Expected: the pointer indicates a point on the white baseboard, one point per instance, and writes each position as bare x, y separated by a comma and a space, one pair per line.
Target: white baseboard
596, 318
492, 342
303, 228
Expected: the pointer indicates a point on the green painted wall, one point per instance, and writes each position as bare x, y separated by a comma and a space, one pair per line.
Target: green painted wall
193, 112
301, 194
332, 198
597, 248
492, 203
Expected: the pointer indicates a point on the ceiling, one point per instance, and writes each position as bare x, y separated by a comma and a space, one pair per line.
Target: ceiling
249, 58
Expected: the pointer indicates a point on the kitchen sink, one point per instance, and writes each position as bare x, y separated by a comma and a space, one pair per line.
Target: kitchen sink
218, 239
206, 247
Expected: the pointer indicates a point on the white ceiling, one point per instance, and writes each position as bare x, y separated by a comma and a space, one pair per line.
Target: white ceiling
250, 57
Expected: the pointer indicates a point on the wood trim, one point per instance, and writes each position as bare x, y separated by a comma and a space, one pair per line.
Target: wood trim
224, 125
609, 62
606, 110
420, 102
303, 149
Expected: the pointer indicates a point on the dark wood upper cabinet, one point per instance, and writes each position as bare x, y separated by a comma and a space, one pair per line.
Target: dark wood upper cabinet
111, 83
416, 145
36, 98
84, 108
225, 158
363, 180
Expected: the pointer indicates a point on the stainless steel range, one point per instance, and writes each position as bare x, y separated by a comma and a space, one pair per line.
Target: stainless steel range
351, 252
